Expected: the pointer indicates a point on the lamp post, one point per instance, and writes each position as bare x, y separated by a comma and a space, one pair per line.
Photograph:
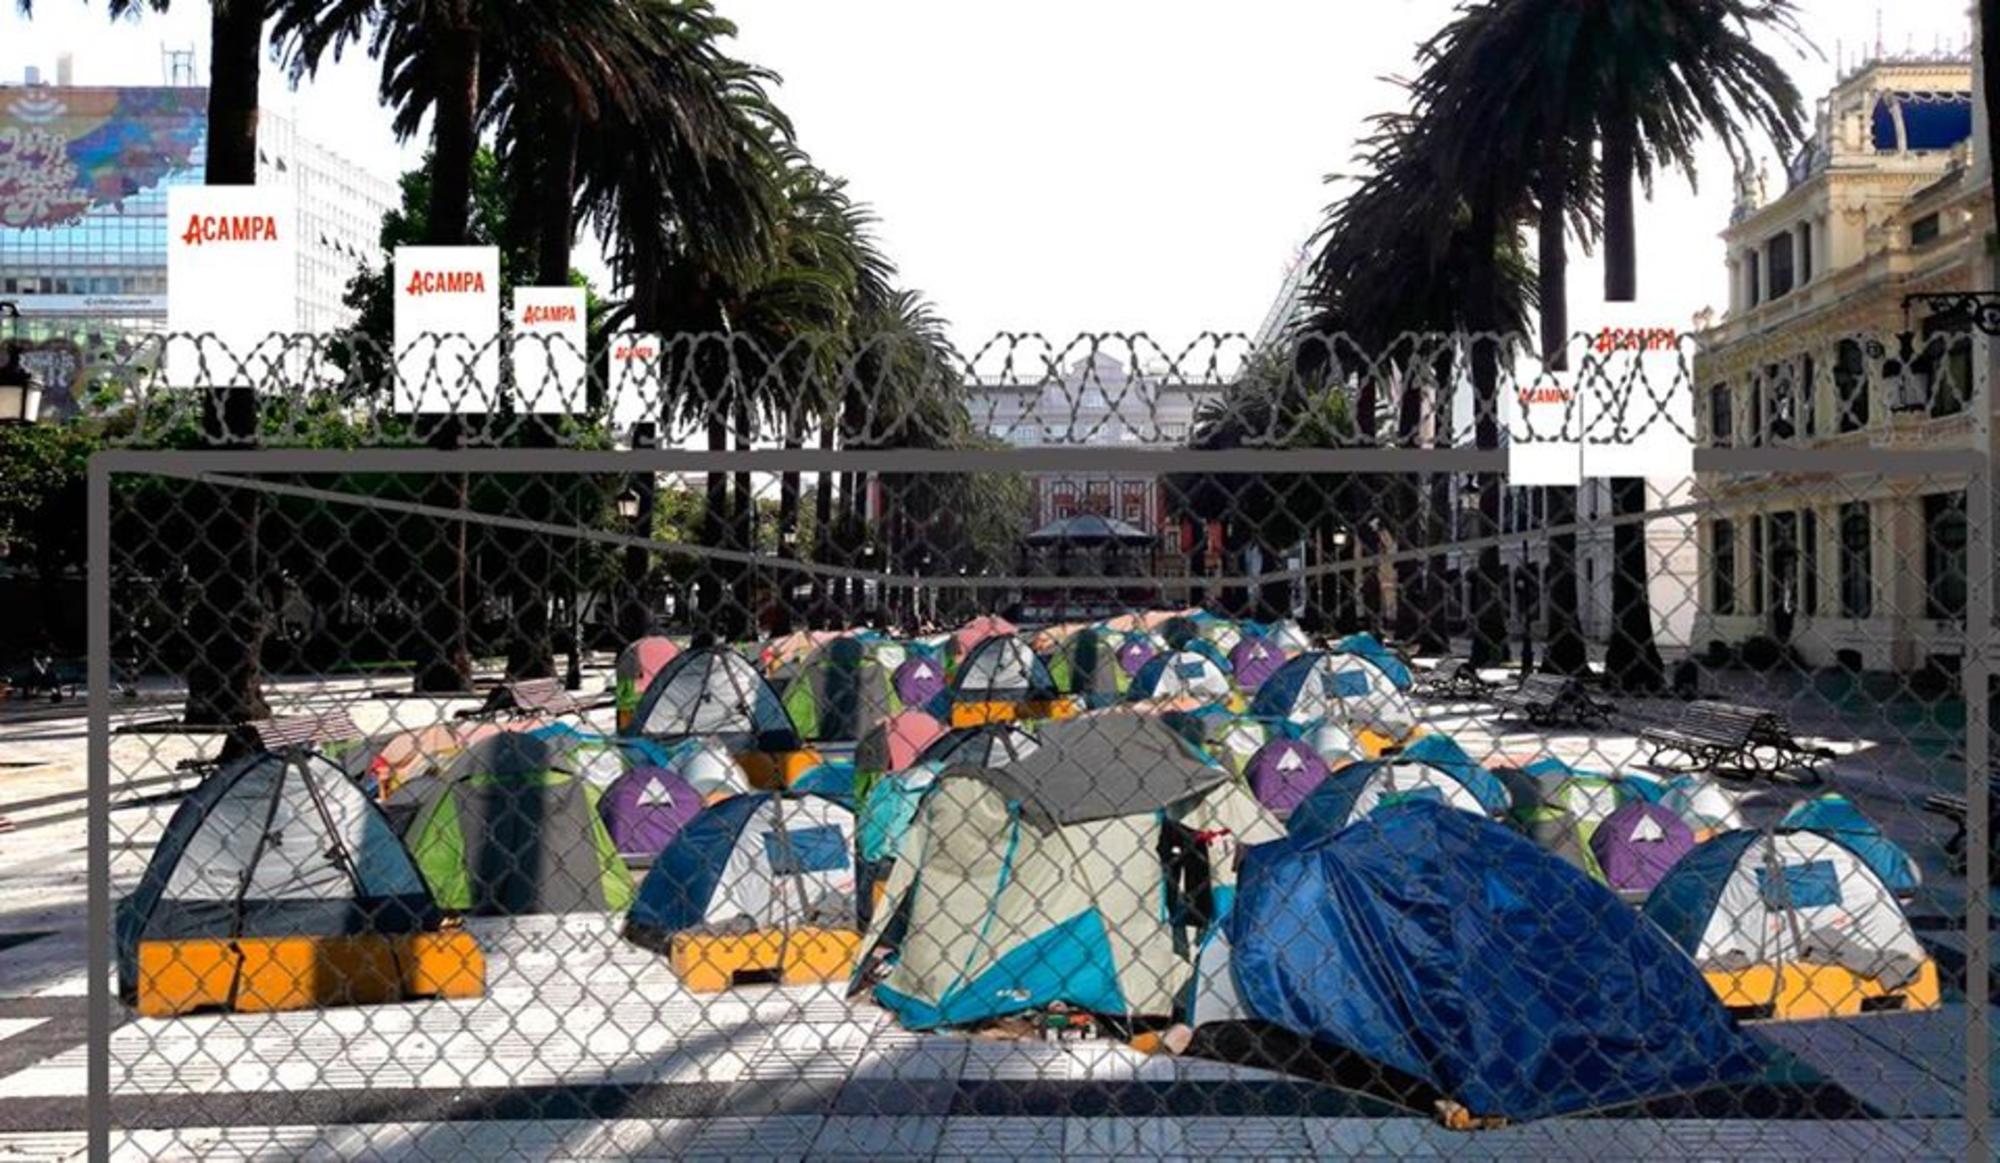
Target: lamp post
20, 395
1342, 582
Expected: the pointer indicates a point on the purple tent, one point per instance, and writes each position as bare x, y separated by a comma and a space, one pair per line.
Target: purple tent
1135, 652
1255, 659
1636, 845
919, 680
645, 808
1284, 772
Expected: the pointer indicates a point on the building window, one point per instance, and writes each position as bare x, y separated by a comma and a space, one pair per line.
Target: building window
1755, 420
1944, 556
1924, 230
1857, 575
1808, 396
1809, 559
1950, 359
1760, 570
1754, 288
1850, 386
1778, 253
1805, 253
1720, 419
1784, 404
1782, 551
1722, 567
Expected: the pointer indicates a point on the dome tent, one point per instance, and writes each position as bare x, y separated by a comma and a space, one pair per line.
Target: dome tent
1045, 881
1254, 660
1422, 939
1792, 924
1834, 815
503, 830
1000, 681
278, 884
1284, 772
716, 694
634, 671
1637, 845
1196, 670
1436, 770
1342, 688
644, 809
844, 687
758, 861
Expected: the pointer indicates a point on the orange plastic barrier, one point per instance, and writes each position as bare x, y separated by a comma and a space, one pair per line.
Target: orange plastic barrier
1797, 991
711, 962
253, 975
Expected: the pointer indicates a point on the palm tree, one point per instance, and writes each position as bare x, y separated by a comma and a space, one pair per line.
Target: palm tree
227, 622
1400, 258
1644, 81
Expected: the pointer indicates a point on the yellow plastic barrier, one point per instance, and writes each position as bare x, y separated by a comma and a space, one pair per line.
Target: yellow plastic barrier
254, 975
711, 962
1794, 991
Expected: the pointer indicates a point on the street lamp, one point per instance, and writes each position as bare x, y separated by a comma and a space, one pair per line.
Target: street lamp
20, 395
627, 504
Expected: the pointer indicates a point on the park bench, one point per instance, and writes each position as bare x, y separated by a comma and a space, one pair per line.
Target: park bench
280, 732
529, 696
1955, 809
1715, 735
1455, 678
1553, 698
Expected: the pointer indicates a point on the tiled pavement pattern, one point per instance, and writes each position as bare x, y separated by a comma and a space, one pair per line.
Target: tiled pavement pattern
597, 1037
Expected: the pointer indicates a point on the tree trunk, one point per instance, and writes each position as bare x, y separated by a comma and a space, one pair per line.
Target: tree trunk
1621, 255
637, 561
788, 532
1406, 502
227, 622
444, 654
1489, 600
236, 58
823, 531
1434, 629
455, 130
714, 524
1632, 658
743, 511
1567, 652
555, 229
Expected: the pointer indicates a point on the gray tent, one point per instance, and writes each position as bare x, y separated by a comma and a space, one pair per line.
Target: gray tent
1072, 875
503, 830
272, 845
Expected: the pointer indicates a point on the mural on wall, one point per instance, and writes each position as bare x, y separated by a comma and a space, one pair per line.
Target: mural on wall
64, 151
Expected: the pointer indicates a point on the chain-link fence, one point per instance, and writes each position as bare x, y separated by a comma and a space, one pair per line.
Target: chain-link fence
1091, 750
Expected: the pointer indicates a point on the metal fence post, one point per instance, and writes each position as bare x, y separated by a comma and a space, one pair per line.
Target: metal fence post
98, 801
1978, 701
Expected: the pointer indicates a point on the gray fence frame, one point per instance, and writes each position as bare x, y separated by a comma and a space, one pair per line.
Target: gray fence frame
239, 468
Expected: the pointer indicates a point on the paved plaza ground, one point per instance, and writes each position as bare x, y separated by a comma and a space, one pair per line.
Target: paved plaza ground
587, 1047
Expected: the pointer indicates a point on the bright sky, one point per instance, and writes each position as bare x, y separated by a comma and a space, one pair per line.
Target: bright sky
1054, 166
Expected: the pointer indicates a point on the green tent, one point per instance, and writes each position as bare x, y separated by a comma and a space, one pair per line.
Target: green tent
502, 830
844, 688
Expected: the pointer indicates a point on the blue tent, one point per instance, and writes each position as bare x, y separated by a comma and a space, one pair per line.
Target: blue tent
1372, 648
760, 860
1456, 952
1439, 772
1834, 815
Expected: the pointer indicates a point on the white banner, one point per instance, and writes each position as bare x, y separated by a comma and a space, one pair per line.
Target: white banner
548, 350
1638, 395
1543, 423
633, 367
232, 282
447, 329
